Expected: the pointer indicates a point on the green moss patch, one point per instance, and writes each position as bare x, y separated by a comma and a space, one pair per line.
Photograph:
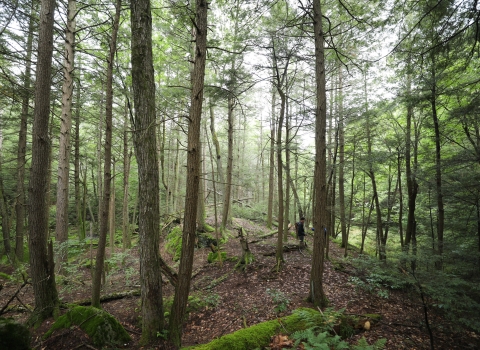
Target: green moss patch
101, 327
13, 336
259, 335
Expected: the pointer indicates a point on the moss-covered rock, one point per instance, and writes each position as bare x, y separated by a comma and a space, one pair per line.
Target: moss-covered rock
259, 335
101, 327
13, 336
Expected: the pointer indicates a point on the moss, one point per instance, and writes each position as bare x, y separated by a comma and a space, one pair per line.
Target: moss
259, 335
13, 336
100, 326
212, 257
174, 243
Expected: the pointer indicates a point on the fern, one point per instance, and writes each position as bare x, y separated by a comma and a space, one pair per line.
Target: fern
363, 345
320, 341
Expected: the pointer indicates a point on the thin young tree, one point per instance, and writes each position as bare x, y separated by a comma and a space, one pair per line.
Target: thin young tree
22, 139
107, 172
61, 218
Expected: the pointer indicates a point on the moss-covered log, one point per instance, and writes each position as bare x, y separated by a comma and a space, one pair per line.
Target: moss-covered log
259, 335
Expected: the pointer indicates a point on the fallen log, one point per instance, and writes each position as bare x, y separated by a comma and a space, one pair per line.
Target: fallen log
109, 297
286, 248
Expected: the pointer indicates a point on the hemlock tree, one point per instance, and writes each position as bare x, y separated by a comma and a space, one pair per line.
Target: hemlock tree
193, 174
145, 143
317, 295
22, 139
107, 175
61, 227
41, 258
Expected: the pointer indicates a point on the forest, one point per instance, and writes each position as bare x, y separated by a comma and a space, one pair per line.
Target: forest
156, 157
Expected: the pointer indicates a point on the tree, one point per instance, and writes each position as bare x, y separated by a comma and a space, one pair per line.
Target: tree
61, 227
317, 295
193, 174
107, 175
20, 203
146, 153
41, 258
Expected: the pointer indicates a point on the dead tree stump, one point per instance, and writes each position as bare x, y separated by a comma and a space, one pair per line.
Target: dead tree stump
247, 256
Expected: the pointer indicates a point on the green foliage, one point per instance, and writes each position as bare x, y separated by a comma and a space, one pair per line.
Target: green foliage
174, 243
13, 336
370, 286
196, 302
5, 276
363, 345
253, 213
101, 327
213, 256
279, 299
259, 335
312, 340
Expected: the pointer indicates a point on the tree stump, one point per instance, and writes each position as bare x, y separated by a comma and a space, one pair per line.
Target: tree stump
247, 255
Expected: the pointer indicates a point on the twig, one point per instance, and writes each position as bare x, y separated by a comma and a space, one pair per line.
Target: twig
132, 331
13, 297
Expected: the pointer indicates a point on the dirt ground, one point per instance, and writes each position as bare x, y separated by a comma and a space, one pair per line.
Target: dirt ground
238, 299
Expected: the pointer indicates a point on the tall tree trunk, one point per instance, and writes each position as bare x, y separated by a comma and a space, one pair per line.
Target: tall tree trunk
279, 253
41, 257
63, 181
126, 236
438, 168
163, 171
176, 172
4, 214
107, 176
228, 185
271, 182
287, 169
111, 211
400, 193
412, 185
216, 144
352, 194
201, 224
193, 175
22, 140
341, 169
144, 135
79, 209
317, 295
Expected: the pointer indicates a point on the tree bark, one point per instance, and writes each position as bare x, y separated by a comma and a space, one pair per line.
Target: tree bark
341, 170
146, 153
126, 235
193, 176
107, 176
216, 145
20, 203
317, 295
438, 168
228, 185
41, 258
271, 182
63, 180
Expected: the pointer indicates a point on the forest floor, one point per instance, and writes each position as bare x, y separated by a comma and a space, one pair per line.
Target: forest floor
233, 299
